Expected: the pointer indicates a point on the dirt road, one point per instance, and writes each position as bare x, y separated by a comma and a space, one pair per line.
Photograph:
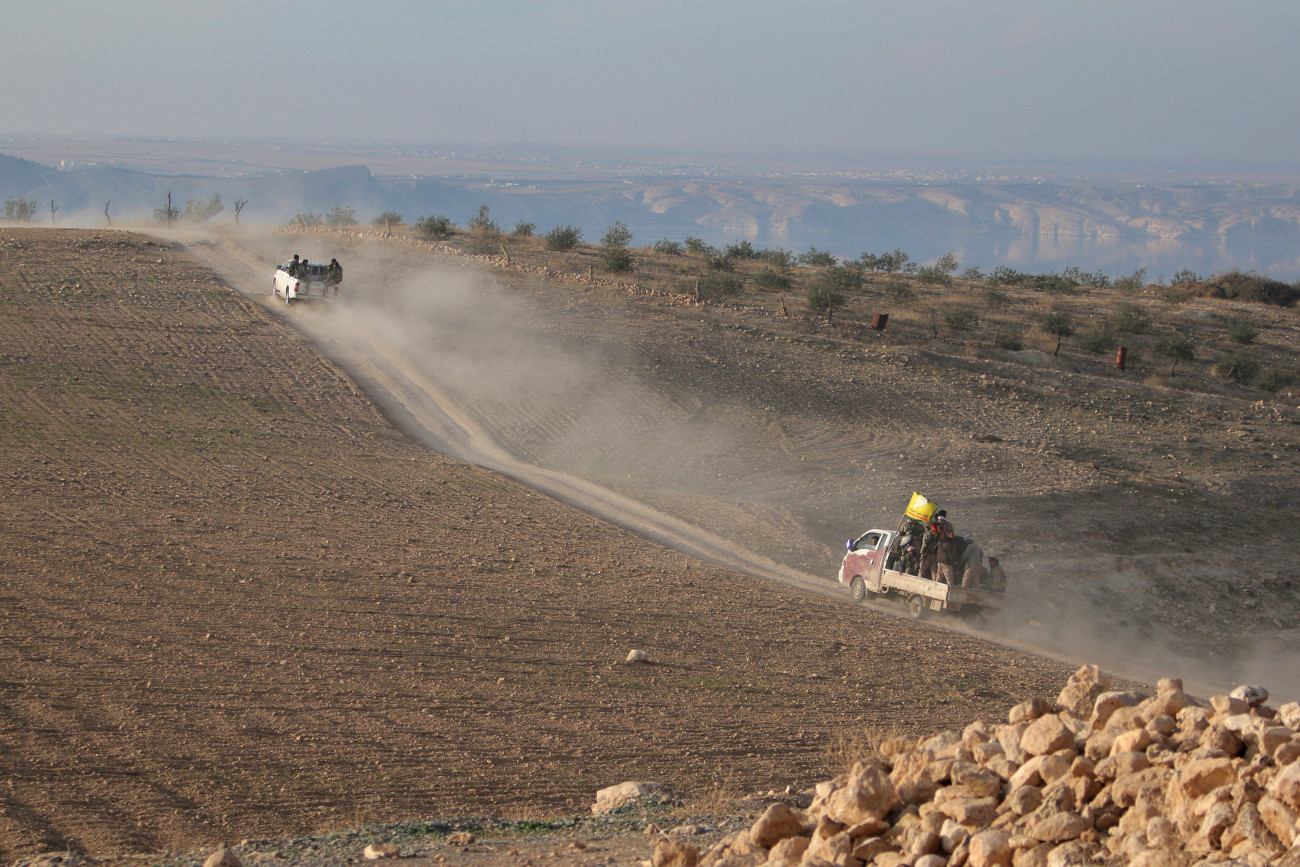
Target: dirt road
715, 432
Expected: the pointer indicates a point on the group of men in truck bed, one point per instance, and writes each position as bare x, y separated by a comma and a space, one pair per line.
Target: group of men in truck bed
934, 551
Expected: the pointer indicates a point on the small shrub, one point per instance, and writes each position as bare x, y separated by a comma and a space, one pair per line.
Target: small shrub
824, 297
1252, 287
1176, 346
996, 299
972, 273
668, 248
616, 259
617, 235
699, 248
933, 276
388, 218
886, 262
742, 250
309, 220
199, 210
815, 257
1098, 340
1243, 331
563, 238
1095, 279
338, 217
947, 263
717, 262
773, 280
845, 278
1133, 282
1058, 325
1005, 275
1175, 295
897, 290
961, 319
20, 210
1051, 283
717, 285
435, 227
1185, 276
1236, 367
777, 258
1132, 319
483, 223
524, 229
1276, 378
1009, 338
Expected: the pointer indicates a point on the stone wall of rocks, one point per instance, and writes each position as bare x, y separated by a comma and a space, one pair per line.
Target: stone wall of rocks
1098, 777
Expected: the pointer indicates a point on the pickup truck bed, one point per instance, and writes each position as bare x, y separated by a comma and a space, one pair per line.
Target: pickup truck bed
865, 574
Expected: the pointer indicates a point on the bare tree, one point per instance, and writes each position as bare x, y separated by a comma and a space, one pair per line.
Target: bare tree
239, 206
53, 210
168, 214
106, 216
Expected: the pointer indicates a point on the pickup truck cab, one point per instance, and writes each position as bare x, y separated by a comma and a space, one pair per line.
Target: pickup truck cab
867, 571
303, 282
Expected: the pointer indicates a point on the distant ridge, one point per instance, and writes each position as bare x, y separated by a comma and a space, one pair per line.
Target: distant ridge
987, 220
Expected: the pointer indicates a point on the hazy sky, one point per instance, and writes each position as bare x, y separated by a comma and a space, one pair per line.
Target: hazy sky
1173, 78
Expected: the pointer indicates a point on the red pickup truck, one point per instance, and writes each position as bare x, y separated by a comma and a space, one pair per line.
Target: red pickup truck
866, 571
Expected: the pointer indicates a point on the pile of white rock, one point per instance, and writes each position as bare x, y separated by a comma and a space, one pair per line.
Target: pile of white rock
1098, 777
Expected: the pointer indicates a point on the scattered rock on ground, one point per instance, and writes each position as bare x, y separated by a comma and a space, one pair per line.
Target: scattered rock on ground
613, 797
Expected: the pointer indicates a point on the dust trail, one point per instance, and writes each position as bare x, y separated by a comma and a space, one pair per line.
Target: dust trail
389, 350
474, 370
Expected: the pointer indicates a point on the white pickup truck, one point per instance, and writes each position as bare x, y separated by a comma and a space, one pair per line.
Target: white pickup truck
867, 572
306, 281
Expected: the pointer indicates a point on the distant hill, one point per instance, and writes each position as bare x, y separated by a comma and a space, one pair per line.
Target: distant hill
848, 215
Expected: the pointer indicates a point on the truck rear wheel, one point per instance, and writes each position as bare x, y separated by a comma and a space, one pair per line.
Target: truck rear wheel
916, 608
858, 588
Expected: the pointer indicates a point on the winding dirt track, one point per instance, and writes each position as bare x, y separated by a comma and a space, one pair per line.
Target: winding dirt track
404, 387
763, 471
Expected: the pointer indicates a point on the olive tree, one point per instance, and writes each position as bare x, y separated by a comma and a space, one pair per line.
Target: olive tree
1057, 325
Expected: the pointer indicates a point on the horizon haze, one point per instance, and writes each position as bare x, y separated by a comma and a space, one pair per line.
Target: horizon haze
1153, 79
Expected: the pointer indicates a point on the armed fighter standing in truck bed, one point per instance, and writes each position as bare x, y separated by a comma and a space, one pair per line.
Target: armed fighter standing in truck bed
926, 564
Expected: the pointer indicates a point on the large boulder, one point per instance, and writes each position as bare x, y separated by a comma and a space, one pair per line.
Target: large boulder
990, 848
1059, 828
223, 857
1108, 702
613, 797
777, 823
1202, 776
674, 853
867, 793
1047, 734
1286, 786
1280, 819
1082, 690
1252, 695
1028, 711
